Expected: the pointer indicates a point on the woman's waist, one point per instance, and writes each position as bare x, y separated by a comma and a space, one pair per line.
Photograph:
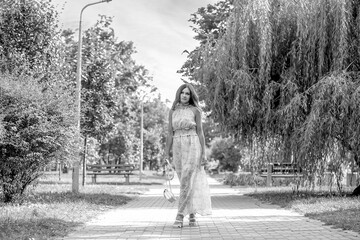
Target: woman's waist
191, 131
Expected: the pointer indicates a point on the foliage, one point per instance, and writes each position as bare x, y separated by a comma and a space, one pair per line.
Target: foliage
227, 151
29, 38
36, 124
257, 154
36, 101
208, 23
155, 131
30, 46
332, 123
109, 81
287, 72
211, 130
244, 179
211, 20
102, 57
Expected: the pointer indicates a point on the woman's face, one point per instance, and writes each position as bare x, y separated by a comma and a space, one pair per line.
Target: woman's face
185, 96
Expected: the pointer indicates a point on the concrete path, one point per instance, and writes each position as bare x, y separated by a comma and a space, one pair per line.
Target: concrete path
234, 217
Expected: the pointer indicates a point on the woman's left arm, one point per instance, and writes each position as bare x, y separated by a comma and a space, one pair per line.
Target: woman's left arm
200, 133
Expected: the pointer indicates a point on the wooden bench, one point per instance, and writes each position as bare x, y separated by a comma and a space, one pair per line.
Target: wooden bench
281, 170
110, 169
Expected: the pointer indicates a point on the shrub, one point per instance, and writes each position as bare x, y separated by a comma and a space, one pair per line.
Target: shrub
227, 152
243, 179
35, 127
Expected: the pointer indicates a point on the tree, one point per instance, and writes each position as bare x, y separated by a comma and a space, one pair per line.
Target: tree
155, 131
29, 37
208, 23
109, 83
280, 71
227, 152
36, 104
211, 130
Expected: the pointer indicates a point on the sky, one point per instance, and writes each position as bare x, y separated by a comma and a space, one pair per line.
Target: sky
159, 29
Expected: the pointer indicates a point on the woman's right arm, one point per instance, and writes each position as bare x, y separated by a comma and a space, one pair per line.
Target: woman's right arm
169, 139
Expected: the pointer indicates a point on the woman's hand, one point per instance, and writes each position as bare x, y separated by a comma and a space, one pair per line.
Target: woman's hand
168, 161
166, 155
203, 160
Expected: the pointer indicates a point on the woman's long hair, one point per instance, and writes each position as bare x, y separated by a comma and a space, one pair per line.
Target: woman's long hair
194, 99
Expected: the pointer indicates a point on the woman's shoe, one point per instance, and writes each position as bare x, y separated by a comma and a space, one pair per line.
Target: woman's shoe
192, 220
178, 221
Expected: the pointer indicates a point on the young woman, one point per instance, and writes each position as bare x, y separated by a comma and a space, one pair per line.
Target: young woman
186, 138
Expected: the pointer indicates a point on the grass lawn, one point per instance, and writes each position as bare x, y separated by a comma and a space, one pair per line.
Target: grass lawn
51, 210
341, 211
330, 208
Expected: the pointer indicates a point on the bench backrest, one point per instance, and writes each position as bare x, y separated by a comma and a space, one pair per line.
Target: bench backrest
123, 167
283, 168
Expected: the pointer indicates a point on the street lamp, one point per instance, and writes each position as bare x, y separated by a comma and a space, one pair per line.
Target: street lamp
141, 138
76, 167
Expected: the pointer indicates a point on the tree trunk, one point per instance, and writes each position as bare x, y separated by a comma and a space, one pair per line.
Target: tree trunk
84, 162
287, 150
356, 191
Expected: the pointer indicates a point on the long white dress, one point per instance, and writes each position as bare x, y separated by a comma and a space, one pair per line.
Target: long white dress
194, 188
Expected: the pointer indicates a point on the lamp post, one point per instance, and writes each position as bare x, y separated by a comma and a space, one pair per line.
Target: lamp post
141, 138
76, 164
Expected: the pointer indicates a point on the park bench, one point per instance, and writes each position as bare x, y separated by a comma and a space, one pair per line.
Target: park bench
281, 170
110, 169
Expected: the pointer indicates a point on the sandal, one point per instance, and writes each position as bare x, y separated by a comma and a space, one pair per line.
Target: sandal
178, 221
192, 220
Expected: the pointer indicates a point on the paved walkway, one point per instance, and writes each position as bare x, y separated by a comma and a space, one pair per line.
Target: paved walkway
234, 217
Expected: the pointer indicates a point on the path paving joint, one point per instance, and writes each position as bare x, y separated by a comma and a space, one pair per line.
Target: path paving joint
235, 216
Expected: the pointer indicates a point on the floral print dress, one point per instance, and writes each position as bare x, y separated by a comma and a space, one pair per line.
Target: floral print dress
194, 189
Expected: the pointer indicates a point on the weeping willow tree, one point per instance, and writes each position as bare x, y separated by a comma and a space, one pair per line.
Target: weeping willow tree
287, 72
